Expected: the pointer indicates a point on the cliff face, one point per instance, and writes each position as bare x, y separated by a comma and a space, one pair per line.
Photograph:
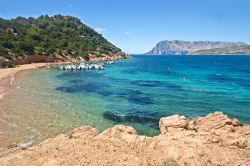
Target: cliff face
211, 140
177, 47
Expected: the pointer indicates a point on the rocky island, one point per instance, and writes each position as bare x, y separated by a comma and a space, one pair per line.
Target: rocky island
211, 140
179, 47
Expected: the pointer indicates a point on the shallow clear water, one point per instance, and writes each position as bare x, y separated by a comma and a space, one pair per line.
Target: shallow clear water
135, 92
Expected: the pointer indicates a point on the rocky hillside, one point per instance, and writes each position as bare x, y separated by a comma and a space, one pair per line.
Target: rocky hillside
211, 140
177, 47
55, 38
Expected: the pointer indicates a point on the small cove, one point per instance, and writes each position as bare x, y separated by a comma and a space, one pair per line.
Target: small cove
135, 92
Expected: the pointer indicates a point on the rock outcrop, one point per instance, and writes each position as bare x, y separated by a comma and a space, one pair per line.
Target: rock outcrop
211, 140
215, 127
173, 123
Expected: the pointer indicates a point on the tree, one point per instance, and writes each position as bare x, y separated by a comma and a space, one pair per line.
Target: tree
8, 44
26, 47
36, 37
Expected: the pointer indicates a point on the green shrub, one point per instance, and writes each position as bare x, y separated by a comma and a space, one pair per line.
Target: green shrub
36, 37
8, 44
26, 47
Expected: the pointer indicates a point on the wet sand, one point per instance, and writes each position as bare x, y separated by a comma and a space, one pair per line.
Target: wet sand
12, 71
7, 76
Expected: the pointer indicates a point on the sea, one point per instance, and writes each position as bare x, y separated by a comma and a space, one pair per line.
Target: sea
137, 92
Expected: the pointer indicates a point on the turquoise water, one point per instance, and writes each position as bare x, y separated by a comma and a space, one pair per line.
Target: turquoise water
137, 92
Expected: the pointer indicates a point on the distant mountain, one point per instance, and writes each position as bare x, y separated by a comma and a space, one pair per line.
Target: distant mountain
49, 39
178, 47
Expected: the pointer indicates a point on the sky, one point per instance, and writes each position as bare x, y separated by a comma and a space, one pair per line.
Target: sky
137, 25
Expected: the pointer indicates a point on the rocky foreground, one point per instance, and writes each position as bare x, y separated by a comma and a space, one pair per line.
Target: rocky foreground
211, 140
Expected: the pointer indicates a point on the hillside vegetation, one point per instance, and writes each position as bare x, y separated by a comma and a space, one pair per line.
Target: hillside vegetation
54, 37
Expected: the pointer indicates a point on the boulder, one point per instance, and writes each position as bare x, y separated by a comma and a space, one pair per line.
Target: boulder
120, 129
212, 121
236, 122
173, 123
117, 131
125, 133
83, 132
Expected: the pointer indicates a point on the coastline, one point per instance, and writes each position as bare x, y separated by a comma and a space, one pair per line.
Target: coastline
7, 75
4, 73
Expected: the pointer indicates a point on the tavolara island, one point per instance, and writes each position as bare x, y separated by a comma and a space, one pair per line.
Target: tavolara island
178, 47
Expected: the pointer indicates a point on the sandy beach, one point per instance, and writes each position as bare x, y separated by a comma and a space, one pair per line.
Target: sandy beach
7, 75
4, 73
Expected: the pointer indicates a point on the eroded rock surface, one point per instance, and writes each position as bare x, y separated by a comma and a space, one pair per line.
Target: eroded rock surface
211, 140
173, 123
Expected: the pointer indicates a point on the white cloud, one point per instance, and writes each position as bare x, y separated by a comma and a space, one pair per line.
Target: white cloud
127, 33
99, 30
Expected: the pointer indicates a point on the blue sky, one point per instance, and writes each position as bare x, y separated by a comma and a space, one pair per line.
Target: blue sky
137, 25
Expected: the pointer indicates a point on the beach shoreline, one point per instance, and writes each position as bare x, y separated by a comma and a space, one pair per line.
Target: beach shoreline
4, 73
8, 72
7, 78
7, 75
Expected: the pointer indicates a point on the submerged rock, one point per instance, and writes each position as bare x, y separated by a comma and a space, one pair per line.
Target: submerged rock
113, 116
137, 116
151, 119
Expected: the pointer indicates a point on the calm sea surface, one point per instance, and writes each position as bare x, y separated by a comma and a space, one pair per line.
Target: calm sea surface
136, 92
